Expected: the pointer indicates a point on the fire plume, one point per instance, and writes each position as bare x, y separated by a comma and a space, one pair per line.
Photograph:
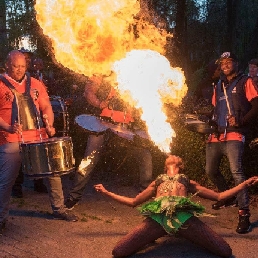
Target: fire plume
146, 79
89, 36
99, 36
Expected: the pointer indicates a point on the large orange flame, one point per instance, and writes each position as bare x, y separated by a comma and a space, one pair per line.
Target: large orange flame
89, 36
99, 36
146, 79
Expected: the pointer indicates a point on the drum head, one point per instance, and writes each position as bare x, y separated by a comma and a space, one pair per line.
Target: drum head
91, 123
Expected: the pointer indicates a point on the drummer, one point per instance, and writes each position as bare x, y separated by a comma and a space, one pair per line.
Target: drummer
102, 96
22, 98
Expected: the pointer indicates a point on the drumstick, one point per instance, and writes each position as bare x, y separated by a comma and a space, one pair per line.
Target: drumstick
226, 96
45, 116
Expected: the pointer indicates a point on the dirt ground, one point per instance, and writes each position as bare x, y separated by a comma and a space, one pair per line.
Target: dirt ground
32, 233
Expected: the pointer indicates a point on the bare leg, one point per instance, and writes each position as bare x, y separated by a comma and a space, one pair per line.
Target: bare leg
199, 233
148, 231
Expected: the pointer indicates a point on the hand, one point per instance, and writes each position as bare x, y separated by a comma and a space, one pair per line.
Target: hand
232, 121
100, 188
252, 181
51, 131
15, 128
103, 104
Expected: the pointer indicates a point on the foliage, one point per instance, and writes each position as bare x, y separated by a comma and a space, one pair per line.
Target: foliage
20, 21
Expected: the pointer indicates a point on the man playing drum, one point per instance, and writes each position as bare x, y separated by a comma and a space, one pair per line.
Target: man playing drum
100, 94
21, 100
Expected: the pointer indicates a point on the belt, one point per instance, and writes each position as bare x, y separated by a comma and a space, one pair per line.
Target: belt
230, 136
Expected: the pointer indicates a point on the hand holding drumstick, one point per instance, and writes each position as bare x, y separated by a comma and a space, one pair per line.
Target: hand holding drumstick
49, 128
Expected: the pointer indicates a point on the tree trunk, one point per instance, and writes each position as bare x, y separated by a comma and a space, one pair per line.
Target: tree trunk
232, 7
3, 32
180, 33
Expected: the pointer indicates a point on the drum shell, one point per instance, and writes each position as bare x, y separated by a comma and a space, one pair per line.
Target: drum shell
200, 128
194, 124
53, 156
142, 139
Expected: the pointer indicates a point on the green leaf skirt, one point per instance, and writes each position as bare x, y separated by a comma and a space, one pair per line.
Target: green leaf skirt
172, 211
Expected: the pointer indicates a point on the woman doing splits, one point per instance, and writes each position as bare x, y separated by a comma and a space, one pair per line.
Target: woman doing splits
173, 212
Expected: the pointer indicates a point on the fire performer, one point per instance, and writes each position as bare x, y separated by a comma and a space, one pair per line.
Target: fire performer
235, 103
172, 211
22, 98
100, 94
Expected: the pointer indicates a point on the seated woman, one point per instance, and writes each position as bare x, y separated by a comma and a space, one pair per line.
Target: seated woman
173, 212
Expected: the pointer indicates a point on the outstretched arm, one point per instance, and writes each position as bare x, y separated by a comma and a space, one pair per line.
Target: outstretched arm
215, 196
90, 94
132, 202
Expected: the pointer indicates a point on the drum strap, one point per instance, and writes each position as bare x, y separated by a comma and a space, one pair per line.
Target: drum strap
29, 115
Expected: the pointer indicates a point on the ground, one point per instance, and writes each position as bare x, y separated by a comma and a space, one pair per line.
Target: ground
31, 231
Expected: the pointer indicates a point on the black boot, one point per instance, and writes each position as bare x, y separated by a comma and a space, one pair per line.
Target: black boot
244, 224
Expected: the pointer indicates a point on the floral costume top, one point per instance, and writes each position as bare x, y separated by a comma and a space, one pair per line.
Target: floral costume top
171, 211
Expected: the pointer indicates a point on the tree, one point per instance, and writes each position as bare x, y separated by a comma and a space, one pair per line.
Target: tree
3, 35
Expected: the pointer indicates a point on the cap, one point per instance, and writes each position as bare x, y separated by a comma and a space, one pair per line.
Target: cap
253, 62
23, 50
227, 55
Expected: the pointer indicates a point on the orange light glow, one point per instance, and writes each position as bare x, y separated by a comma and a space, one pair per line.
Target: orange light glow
99, 36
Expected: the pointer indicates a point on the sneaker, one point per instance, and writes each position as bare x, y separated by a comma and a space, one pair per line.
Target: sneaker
232, 202
66, 215
244, 224
2, 227
17, 191
70, 203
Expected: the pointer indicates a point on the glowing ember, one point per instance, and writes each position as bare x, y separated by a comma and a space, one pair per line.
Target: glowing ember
147, 79
99, 36
85, 163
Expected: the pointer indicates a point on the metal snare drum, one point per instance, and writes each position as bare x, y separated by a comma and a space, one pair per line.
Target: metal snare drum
49, 157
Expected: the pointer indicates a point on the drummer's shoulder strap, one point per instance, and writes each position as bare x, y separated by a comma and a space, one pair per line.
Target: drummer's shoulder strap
28, 84
14, 104
16, 94
12, 88
7, 83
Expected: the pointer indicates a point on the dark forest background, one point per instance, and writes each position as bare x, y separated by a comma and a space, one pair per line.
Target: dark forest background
201, 30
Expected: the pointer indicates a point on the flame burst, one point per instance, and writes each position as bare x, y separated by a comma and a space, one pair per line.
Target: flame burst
89, 36
99, 36
146, 79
